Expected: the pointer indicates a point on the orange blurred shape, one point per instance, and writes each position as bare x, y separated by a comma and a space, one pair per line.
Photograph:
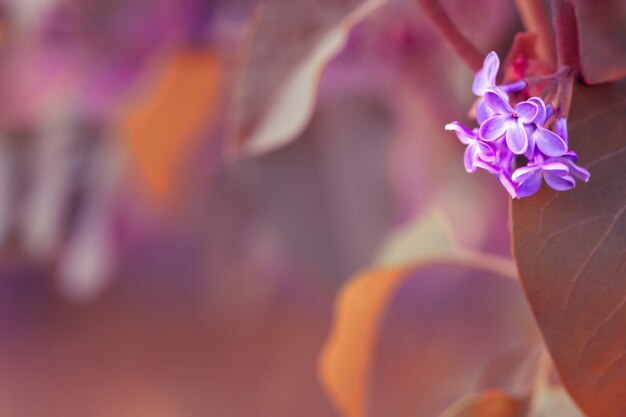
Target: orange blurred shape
345, 361
165, 123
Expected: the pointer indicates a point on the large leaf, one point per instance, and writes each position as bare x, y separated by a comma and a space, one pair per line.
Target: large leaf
347, 359
602, 39
570, 248
289, 46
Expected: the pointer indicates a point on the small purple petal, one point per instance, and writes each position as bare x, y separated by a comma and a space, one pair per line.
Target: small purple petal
469, 157
486, 76
513, 87
516, 138
555, 168
561, 128
508, 184
530, 151
494, 127
549, 142
521, 174
530, 185
541, 110
490, 168
491, 66
576, 171
505, 156
571, 155
549, 112
465, 135
498, 101
485, 152
559, 183
526, 111
483, 111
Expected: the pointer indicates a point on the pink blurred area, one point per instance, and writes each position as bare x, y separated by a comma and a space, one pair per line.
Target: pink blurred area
161, 279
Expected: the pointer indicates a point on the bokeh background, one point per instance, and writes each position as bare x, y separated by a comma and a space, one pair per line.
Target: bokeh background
147, 271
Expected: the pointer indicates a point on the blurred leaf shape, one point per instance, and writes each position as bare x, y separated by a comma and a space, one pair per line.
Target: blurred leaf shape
163, 124
602, 39
488, 404
345, 361
290, 44
570, 252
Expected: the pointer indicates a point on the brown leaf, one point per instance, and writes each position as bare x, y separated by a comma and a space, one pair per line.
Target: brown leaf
346, 360
570, 248
602, 39
291, 43
488, 404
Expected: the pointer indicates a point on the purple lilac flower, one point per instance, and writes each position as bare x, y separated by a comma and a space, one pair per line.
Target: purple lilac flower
506, 131
476, 150
528, 178
508, 121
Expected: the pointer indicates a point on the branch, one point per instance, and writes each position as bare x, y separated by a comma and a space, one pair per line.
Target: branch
567, 49
457, 41
566, 28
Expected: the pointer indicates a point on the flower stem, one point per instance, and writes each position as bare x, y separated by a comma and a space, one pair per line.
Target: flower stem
563, 72
535, 20
567, 48
456, 40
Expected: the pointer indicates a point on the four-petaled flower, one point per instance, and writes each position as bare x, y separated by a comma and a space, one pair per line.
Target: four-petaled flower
529, 177
508, 121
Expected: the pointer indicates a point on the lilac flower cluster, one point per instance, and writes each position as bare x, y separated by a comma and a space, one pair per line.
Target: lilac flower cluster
508, 130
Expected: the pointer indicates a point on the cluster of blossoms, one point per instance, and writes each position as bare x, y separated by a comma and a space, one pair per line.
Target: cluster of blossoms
508, 130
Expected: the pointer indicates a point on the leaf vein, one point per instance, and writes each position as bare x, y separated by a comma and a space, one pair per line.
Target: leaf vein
597, 328
608, 156
608, 367
592, 253
598, 112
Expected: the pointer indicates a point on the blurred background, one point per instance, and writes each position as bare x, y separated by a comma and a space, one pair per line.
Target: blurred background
147, 270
